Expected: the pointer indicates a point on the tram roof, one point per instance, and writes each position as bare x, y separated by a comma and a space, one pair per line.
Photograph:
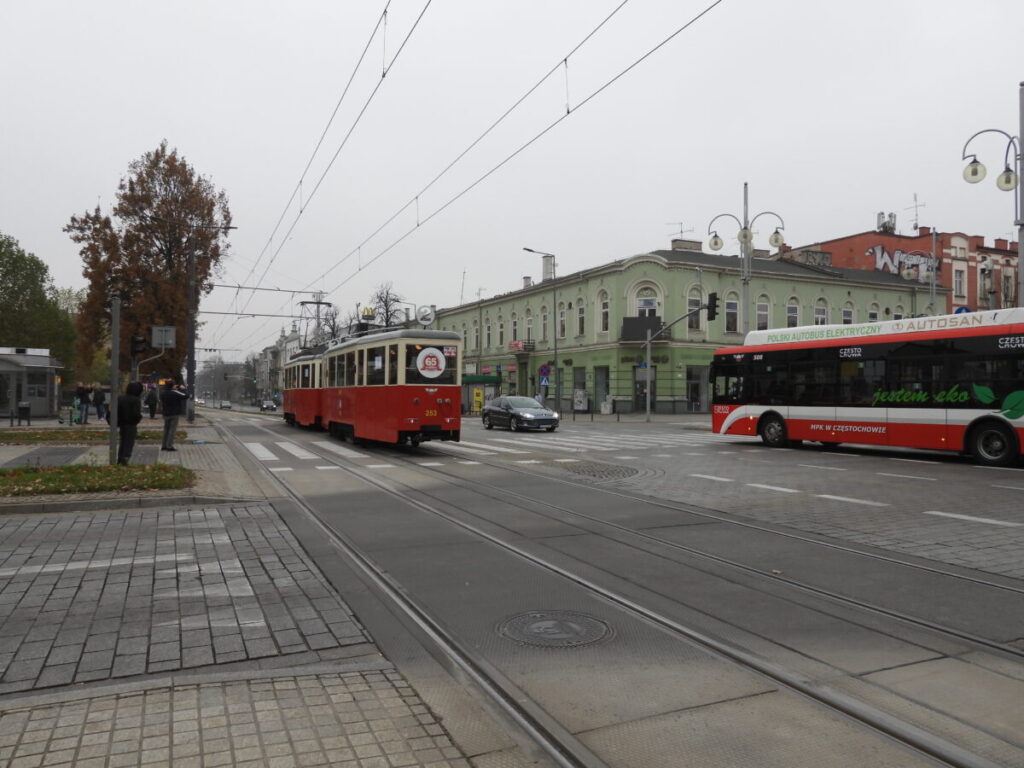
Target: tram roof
399, 334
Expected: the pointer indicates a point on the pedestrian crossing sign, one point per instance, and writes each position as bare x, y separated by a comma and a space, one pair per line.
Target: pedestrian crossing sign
545, 381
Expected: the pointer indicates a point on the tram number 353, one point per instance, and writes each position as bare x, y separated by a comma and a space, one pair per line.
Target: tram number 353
430, 413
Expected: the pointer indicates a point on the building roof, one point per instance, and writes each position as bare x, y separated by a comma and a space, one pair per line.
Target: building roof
29, 358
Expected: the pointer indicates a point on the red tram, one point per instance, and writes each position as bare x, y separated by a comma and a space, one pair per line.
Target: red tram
400, 386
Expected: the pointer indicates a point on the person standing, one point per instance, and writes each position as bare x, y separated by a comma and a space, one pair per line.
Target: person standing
151, 401
129, 414
99, 399
82, 399
172, 402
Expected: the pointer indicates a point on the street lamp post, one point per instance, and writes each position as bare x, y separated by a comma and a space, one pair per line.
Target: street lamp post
746, 238
1008, 181
554, 325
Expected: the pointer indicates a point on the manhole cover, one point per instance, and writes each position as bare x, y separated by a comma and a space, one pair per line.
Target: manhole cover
554, 629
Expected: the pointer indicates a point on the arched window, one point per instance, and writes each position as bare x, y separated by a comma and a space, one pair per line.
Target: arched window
761, 312
529, 326
487, 334
792, 312
515, 326
897, 312
476, 335
501, 331
693, 302
873, 313
561, 320
732, 313
646, 302
580, 318
543, 323
821, 312
602, 300
848, 314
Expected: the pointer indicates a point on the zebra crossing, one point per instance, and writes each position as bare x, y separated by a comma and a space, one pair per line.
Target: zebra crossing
560, 448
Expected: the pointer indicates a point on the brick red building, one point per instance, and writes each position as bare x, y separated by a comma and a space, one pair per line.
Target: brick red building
980, 276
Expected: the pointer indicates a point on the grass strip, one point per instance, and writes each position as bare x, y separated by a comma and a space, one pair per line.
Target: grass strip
73, 435
84, 478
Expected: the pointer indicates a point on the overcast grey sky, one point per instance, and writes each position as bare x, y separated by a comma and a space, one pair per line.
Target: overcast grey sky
832, 111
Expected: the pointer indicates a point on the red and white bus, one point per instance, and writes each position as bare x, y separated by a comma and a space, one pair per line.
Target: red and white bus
398, 386
950, 382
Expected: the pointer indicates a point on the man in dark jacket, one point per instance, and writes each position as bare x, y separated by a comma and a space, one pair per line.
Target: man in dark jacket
172, 402
151, 401
99, 399
129, 414
83, 396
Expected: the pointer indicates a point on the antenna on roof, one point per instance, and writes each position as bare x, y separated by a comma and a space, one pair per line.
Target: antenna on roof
681, 231
916, 206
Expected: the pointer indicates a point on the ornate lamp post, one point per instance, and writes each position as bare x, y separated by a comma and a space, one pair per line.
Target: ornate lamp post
554, 325
746, 238
1008, 181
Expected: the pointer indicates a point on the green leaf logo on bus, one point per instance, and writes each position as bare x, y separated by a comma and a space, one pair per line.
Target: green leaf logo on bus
1013, 405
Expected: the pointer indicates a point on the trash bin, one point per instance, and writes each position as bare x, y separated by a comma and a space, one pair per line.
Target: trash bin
24, 412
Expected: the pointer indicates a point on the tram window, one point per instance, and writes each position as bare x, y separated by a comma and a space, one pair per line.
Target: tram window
304, 376
392, 363
375, 365
437, 366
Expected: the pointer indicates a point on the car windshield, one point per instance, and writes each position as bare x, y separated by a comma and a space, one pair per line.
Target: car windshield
524, 402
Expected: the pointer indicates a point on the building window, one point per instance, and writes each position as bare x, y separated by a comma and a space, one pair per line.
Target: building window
646, 302
529, 326
958, 282
873, 313
603, 300
848, 313
580, 319
792, 313
515, 327
487, 334
821, 312
732, 313
762, 313
693, 303
543, 323
501, 332
897, 313
561, 321
476, 335
1009, 291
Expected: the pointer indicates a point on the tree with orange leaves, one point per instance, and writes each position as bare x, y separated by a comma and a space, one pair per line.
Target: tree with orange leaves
164, 211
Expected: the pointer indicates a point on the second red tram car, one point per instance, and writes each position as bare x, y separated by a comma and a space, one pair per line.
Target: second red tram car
400, 386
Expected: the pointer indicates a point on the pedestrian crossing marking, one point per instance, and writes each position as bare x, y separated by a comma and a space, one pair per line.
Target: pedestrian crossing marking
260, 451
295, 450
341, 450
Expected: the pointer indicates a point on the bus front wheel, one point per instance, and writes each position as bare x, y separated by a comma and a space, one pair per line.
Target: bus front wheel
773, 431
993, 444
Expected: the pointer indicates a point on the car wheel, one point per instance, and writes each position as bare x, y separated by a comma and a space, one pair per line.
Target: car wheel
773, 431
487, 422
993, 445
514, 424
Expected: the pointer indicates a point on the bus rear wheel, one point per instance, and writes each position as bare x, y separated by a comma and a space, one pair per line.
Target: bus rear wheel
773, 431
993, 444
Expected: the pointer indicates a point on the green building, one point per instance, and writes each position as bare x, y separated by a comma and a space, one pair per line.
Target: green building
590, 328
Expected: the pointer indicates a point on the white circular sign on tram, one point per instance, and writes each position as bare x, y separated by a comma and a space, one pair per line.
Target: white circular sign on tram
424, 315
430, 362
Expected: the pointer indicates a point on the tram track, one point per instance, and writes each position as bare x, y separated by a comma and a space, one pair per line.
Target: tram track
560, 745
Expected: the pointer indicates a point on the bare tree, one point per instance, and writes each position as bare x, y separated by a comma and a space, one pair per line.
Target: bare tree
387, 305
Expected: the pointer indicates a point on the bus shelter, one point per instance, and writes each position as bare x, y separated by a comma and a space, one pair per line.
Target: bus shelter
28, 379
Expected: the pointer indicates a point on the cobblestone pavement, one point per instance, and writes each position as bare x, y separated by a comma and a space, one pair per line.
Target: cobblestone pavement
350, 719
89, 596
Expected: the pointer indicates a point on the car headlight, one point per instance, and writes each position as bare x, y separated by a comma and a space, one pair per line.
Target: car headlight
554, 414
527, 415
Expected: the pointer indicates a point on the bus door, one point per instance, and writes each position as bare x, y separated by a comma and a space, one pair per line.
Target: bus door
812, 384
914, 381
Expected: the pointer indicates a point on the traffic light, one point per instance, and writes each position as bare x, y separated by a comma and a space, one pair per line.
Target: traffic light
712, 306
138, 345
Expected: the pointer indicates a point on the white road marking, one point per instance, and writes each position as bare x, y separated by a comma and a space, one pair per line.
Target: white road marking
330, 467
819, 466
341, 450
905, 477
1009, 487
467, 462
430, 463
261, 452
916, 461
693, 454
566, 461
1004, 469
464, 448
379, 466
773, 488
865, 502
662, 455
713, 477
986, 520
24, 570
296, 450
527, 461
280, 469
488, 447
626, 458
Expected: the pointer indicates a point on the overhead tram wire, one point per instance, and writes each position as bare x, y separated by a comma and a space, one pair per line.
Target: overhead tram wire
319, 143
593, 94
558, 65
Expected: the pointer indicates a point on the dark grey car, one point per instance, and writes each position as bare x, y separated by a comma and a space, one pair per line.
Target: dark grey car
518, 413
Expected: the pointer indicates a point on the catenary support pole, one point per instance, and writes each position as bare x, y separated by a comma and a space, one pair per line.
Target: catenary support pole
115, 373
